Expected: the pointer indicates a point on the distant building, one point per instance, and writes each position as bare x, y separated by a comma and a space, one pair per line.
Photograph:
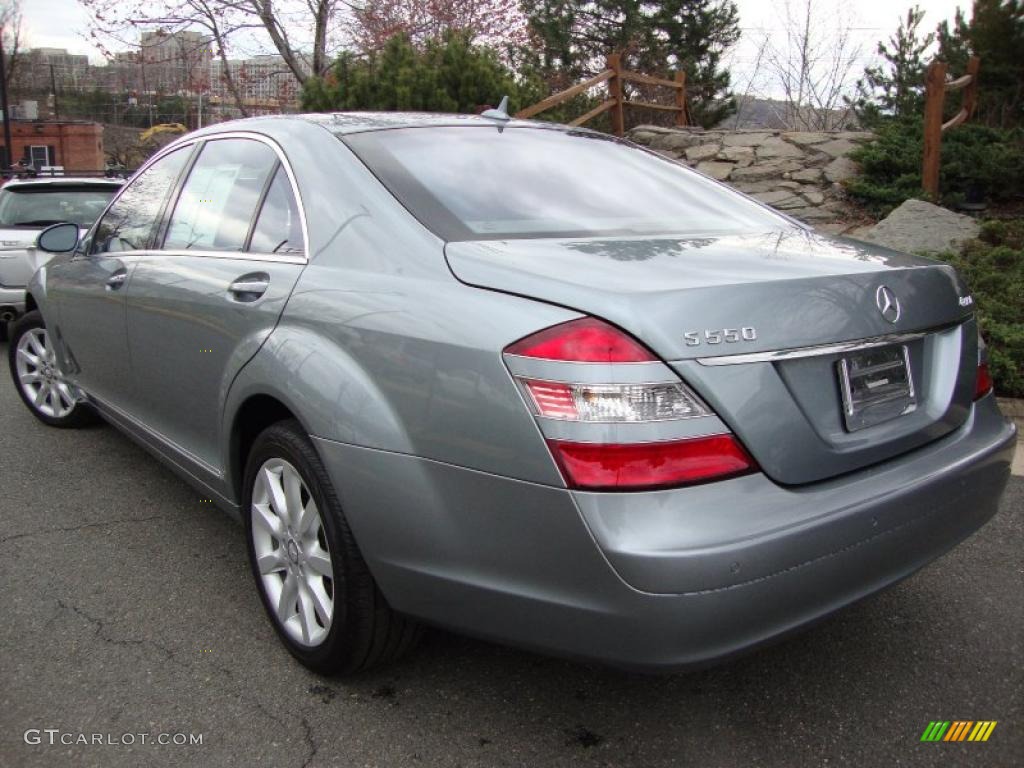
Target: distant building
260, 78
77, 145
42, 67
122, 73
174, 62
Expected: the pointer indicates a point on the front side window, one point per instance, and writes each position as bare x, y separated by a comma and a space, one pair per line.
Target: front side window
482, 182
278, 228
220, 196
128, 224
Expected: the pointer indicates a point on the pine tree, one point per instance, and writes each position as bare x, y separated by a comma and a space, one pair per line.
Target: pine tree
447, 75
572, 38
896, 88
995, 33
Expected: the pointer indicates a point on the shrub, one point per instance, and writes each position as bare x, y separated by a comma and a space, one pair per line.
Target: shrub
993, 266
976, 161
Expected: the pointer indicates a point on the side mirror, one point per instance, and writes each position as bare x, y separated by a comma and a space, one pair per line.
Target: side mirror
59, 238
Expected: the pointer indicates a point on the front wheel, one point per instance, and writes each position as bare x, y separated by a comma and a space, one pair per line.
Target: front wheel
39, 382
315, 585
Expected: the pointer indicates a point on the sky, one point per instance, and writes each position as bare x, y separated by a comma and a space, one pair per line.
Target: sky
65, 24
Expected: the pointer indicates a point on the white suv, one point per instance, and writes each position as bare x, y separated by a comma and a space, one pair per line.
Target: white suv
28, 206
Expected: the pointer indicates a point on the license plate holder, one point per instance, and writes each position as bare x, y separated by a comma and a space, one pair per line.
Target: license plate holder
876, 385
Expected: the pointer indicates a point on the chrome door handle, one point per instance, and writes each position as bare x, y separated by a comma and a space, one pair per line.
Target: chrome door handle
117, 279
250, 287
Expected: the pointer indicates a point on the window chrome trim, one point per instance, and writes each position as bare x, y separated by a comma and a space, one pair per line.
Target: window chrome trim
821, 349
291, 258
283, 159
160, 155
284, 258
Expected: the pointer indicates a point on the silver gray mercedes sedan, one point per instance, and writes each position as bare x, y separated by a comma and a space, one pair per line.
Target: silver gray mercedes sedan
523, 381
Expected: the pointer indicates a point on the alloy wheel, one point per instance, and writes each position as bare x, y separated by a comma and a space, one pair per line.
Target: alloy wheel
292, 553
39, 378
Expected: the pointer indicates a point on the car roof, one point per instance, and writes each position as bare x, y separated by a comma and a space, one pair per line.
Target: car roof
75, 181
343, 123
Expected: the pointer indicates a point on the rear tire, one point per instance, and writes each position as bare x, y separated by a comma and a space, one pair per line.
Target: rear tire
312, 579
37, 378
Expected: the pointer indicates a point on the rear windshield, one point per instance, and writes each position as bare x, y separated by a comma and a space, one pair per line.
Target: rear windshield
41, 205
476, 183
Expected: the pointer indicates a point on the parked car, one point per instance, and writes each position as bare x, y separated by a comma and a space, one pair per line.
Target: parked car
527, 382
27, 207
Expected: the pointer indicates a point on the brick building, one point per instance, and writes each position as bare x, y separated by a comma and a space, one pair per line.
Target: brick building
75, 144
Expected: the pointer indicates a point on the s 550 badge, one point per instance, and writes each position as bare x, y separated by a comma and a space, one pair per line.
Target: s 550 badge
723, 336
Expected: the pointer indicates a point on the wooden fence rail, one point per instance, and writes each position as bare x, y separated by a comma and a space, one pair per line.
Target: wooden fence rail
936, 87
615, 75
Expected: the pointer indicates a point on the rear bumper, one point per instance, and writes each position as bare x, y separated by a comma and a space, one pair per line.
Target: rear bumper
666, 579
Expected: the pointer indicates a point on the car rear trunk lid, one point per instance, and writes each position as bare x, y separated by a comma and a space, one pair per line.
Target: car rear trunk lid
719, 308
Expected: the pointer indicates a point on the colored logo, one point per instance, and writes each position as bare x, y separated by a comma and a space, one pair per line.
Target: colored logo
958, 730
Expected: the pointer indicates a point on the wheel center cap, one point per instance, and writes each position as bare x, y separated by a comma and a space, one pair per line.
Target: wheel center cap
293, 551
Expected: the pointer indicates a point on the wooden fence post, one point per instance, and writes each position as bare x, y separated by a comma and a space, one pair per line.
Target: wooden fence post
614, 63
935, 96
971, 91
681, 119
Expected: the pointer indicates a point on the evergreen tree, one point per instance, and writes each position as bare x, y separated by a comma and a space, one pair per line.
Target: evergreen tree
448, 75
896, 88
995, 33
572, 38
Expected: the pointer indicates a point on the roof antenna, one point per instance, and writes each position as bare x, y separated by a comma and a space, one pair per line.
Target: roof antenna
501, 113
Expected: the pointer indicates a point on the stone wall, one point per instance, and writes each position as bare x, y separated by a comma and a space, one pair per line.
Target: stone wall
800, 173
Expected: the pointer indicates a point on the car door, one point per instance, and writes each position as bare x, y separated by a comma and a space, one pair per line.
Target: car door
88, 290
200, 307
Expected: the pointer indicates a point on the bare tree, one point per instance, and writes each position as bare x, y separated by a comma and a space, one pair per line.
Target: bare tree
10, 34
292, 26
122, 23
494, 22
281, 19
813, 64
754, 74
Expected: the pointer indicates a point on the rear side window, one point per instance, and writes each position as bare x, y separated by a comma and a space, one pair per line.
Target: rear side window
278, 228
220, 196
484, 182
128, 224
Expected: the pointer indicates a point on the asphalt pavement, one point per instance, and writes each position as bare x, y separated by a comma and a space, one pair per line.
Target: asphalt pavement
128, 612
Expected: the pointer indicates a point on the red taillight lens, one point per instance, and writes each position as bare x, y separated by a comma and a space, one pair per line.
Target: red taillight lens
568, 397
587, 340
984, 382
597, 466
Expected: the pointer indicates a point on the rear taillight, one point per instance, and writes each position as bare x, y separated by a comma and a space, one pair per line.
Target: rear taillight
602, 466
587, 340
585, 373
983, 381
613, 402
983, 384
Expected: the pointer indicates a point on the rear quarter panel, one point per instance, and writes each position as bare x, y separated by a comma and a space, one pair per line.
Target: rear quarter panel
380, 346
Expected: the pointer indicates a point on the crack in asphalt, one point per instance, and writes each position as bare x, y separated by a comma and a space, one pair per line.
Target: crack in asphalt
313, 746
102, 632
82, 527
